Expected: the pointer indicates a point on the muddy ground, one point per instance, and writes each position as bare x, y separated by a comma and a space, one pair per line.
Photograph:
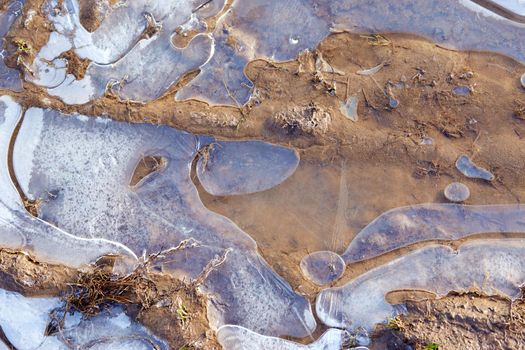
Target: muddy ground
381, 158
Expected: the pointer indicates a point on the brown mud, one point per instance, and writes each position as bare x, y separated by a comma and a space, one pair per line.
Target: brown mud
459, 321
375, 164
173, 309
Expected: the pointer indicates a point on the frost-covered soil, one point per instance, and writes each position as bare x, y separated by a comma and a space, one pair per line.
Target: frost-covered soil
261, 174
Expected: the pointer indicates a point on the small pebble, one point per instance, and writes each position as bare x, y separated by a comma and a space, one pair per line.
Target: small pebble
522, 79
462, 90
392, 102
456, 192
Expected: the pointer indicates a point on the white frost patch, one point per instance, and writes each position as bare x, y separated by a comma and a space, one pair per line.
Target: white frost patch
239, 338
74, 92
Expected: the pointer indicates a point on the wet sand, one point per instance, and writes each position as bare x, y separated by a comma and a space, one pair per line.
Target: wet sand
380, 159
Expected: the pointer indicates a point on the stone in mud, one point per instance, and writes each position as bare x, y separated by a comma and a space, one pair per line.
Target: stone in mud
468, 168
494, 267
456, 192
234, 168
462, 90
393, 102
522, 80
238, 338
88, 163
322, 267
404, 226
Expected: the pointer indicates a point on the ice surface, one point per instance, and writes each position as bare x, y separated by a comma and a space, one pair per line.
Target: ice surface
19, 230
133, 56
468, 168
513, 9
349, 108
81, 169
239, 338
322, 267
24, 321
230, 168
9, 77
456, 192
243, 35
492, 266
404, 226
131, 51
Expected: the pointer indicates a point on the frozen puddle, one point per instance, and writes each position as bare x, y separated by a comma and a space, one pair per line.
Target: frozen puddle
491, 266
232, 168
468, 168
125, 51
24, 321
19, 230
133, 56
80, 168
402, 227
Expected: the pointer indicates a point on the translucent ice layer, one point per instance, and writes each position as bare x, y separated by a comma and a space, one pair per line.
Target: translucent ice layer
492, 266
133, 56
131, 51
243, 35
9, 77
19, 230
468, 168
230, 168
456, 192
511, 9
239, 338
322, 267
24, 321
404, 226
81, 168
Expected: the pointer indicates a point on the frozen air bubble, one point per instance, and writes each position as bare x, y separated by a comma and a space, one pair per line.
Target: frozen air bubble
322, 267
456, 192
